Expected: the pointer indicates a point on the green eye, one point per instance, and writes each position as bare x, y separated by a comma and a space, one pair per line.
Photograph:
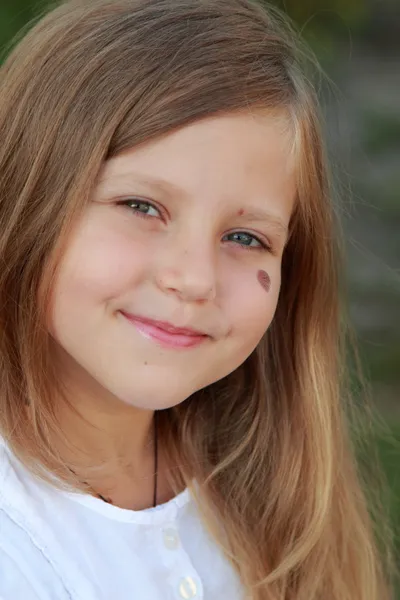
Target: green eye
247, 240
141, 207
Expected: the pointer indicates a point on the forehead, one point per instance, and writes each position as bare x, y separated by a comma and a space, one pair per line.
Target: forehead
241, 163
249, 143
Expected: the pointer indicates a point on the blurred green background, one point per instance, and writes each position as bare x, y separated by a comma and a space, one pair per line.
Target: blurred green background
358, 45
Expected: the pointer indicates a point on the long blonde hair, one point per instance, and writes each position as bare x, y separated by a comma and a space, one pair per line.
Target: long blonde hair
269, 445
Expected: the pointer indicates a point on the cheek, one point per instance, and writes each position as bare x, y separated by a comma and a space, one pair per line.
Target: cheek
254, 302
97, 268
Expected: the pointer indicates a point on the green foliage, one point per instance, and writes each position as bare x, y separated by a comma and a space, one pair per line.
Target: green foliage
327, 19
349, 12
13, 15
389, 455
381, 131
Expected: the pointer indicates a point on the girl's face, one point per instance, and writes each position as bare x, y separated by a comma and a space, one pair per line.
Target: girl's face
188, 230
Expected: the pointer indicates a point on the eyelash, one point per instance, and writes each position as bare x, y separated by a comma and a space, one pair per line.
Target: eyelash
264, 246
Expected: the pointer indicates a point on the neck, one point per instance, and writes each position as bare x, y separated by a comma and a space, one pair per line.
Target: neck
110, 500
110, 446
118, 435
116, 459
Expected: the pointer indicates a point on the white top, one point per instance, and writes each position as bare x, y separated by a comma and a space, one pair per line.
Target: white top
56, 545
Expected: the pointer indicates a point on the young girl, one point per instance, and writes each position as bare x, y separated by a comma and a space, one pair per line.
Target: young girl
171, 376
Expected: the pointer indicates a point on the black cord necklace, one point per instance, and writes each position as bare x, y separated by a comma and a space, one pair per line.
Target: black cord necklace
108, 500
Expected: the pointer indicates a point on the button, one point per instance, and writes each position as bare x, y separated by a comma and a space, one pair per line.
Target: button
171, 538
187, 588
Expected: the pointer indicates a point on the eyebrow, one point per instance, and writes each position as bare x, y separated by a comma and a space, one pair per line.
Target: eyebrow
131, 177
257, 214
251, 213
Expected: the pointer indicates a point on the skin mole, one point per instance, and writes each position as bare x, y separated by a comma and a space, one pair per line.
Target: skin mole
264, 279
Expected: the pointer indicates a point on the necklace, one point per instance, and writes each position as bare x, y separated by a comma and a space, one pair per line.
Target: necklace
108, 500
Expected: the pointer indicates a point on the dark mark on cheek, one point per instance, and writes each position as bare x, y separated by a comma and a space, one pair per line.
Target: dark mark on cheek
264, 279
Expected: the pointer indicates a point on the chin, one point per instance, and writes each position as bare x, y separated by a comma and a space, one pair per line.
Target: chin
158, 398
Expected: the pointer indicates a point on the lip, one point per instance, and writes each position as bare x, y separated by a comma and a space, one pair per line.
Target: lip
165, 333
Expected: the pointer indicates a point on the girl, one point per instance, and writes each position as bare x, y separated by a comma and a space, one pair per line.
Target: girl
171, 377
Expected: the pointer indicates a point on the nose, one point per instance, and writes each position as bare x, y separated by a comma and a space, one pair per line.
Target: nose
188, 270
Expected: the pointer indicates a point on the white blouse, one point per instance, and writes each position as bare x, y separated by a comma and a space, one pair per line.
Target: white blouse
56, 545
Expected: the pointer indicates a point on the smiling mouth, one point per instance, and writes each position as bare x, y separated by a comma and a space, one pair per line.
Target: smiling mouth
165, 333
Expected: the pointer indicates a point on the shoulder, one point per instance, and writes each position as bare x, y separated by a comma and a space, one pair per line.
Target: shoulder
13, 583
24, 571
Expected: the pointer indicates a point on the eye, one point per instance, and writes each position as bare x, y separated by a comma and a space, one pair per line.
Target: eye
248, 241
141, 208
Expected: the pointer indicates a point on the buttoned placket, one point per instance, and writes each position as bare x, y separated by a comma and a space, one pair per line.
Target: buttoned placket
183, 578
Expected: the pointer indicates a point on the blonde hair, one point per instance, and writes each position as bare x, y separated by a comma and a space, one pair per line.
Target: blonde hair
269, 445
